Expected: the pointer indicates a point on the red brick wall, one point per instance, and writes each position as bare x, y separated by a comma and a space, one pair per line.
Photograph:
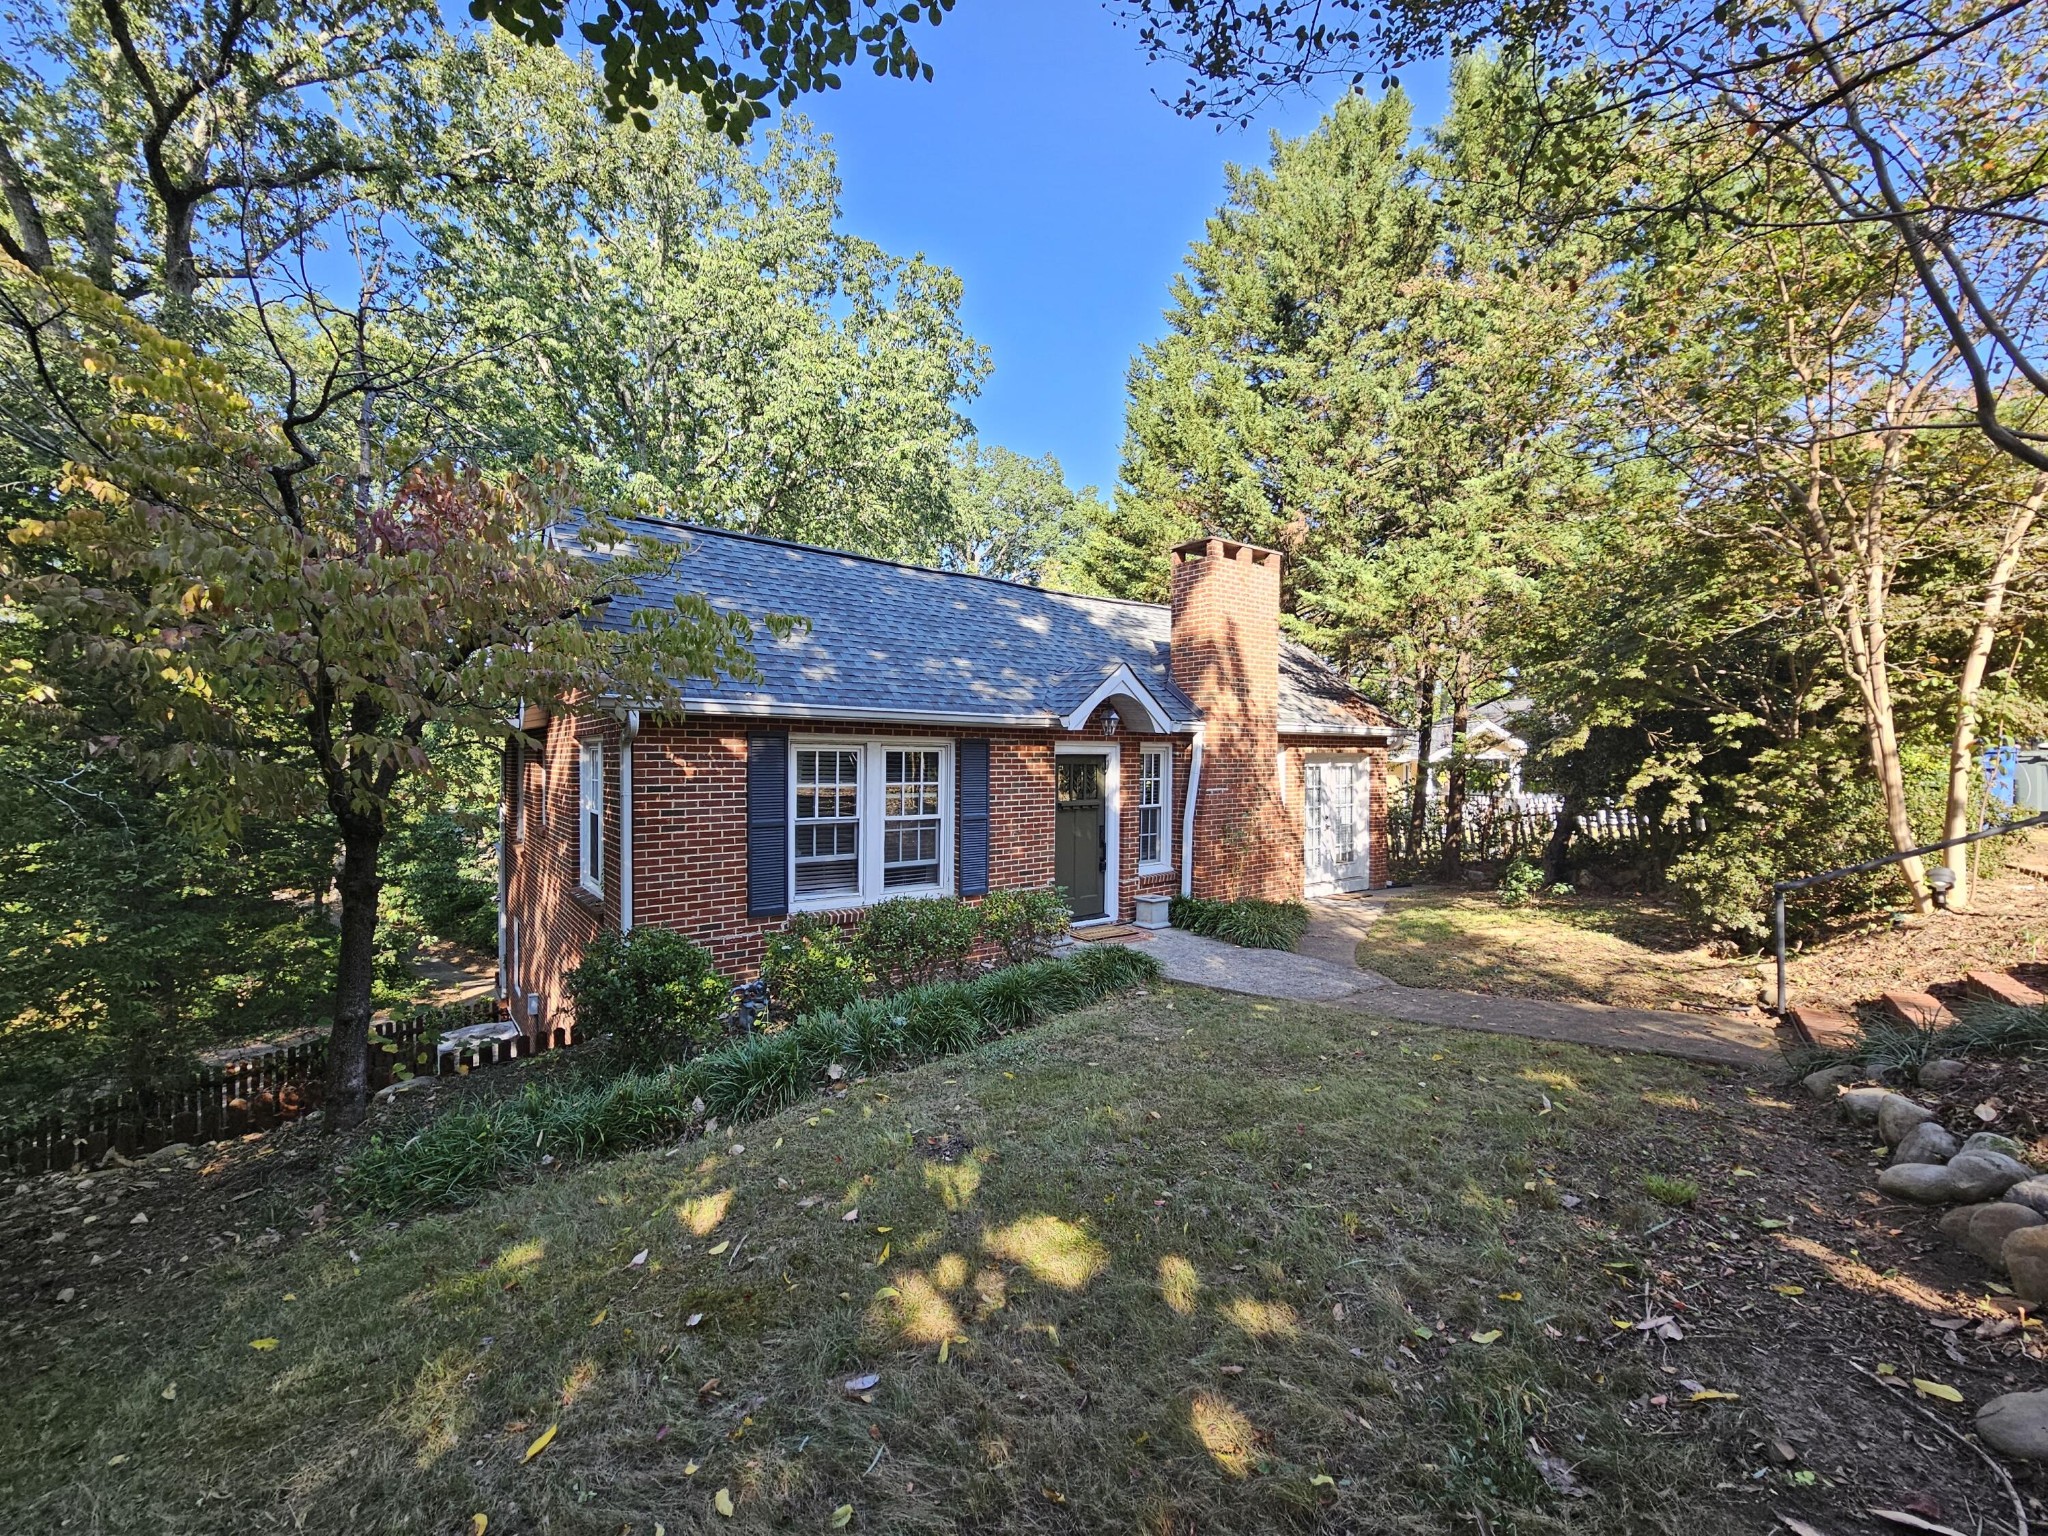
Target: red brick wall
689, 837
1226, 658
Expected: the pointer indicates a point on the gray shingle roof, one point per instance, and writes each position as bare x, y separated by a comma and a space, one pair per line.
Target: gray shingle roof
889, 640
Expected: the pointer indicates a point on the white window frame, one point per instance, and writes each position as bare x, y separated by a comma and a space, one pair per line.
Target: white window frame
589, 807
1162, 752
873, 761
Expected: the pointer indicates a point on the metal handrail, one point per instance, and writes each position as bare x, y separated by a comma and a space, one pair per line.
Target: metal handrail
1780, 888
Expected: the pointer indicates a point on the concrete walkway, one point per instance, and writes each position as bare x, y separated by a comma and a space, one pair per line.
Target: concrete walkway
1324, 971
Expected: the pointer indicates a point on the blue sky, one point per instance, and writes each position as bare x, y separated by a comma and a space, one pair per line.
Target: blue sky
1039, 166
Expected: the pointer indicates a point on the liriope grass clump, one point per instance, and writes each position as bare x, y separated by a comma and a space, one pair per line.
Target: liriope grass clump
460, 1156
1250, 924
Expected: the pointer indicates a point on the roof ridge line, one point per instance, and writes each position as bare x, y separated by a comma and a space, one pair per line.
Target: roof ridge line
901, 565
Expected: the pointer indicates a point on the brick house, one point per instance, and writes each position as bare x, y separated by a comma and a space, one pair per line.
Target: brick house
932, 732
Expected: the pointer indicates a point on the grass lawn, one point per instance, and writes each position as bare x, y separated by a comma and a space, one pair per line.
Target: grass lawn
1620, 950
1182, 1262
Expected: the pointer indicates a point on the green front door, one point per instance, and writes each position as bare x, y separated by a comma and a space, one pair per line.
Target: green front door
1081, 855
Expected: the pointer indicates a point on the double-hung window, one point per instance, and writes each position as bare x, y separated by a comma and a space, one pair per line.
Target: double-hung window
826, 837
590, 816
911, 819
1155, 793
870, 820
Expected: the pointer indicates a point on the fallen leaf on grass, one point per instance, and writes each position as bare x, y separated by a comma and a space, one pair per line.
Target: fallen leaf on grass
1510, 1295
1940, 1389
945, 1350
1789, 1290
1555, 1471
1487, 1337
1798, 1527
169, 1393
852, 1215
1772, 1224
263, 1343
1053, 1496
547, 1438
479, 1523
842, 1517
689, 1469
602, 1314
719, 1247
1322, 1480
722, 1502
887, 1293
639, 1259
1711, 1395
855, 1385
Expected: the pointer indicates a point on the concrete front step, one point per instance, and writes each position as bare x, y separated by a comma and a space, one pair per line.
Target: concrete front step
1916, 1010
1997, 987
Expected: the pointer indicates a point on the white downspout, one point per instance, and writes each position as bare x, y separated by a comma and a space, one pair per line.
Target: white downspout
1187, 817
632, 729
506, 811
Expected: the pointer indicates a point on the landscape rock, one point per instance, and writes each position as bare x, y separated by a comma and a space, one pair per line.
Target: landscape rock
2032, 1193
1940, 1072
1897, 1116
2026, 1264
1927, 1142
1860, 1105
1984, 1175
2016, 1425
1993, 1224
1829, 1081
1955, 1226
1926, 1183
1991, 1141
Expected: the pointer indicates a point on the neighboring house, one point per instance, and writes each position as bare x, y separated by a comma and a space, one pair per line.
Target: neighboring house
1489, 740
934, 733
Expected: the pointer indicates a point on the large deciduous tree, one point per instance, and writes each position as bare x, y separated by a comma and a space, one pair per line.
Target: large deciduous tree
685, 324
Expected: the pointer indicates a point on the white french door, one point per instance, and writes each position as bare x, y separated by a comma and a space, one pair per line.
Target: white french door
1334, 803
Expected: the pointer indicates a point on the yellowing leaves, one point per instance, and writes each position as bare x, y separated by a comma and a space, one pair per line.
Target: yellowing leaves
1711, 1395
547, 1438
1936, 1389
1490, 1336
842, 1517
264, 1344
722, 1502
479, 1523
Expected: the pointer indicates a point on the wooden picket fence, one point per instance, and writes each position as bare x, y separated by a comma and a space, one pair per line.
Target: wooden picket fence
1504, 826
262, 1088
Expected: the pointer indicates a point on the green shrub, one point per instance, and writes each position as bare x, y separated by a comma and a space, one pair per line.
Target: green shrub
1251, 924
1024, 925
1521, 880
656, 992
810, 967
755, 1076
912, 940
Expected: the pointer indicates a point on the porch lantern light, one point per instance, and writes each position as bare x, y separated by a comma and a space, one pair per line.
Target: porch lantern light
1111, 722
1941, 880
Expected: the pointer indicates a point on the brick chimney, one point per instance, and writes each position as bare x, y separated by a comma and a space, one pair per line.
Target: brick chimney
1226, 658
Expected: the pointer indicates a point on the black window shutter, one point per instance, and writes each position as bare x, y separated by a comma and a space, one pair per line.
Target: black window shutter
767, 826
973, 818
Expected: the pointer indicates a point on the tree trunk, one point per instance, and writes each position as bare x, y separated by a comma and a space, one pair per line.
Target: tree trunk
348, 1062
1454, 777
1418, 792
1962, 748
1558, 851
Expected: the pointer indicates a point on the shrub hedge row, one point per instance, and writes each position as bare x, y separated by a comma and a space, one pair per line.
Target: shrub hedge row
459, 1156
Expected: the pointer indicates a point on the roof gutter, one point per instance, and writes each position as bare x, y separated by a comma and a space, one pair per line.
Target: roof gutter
628, 731
1187, 817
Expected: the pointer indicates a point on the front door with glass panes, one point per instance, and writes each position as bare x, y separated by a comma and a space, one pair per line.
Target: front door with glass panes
1081, 854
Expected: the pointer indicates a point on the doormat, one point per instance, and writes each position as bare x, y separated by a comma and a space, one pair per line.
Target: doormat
1110, 933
